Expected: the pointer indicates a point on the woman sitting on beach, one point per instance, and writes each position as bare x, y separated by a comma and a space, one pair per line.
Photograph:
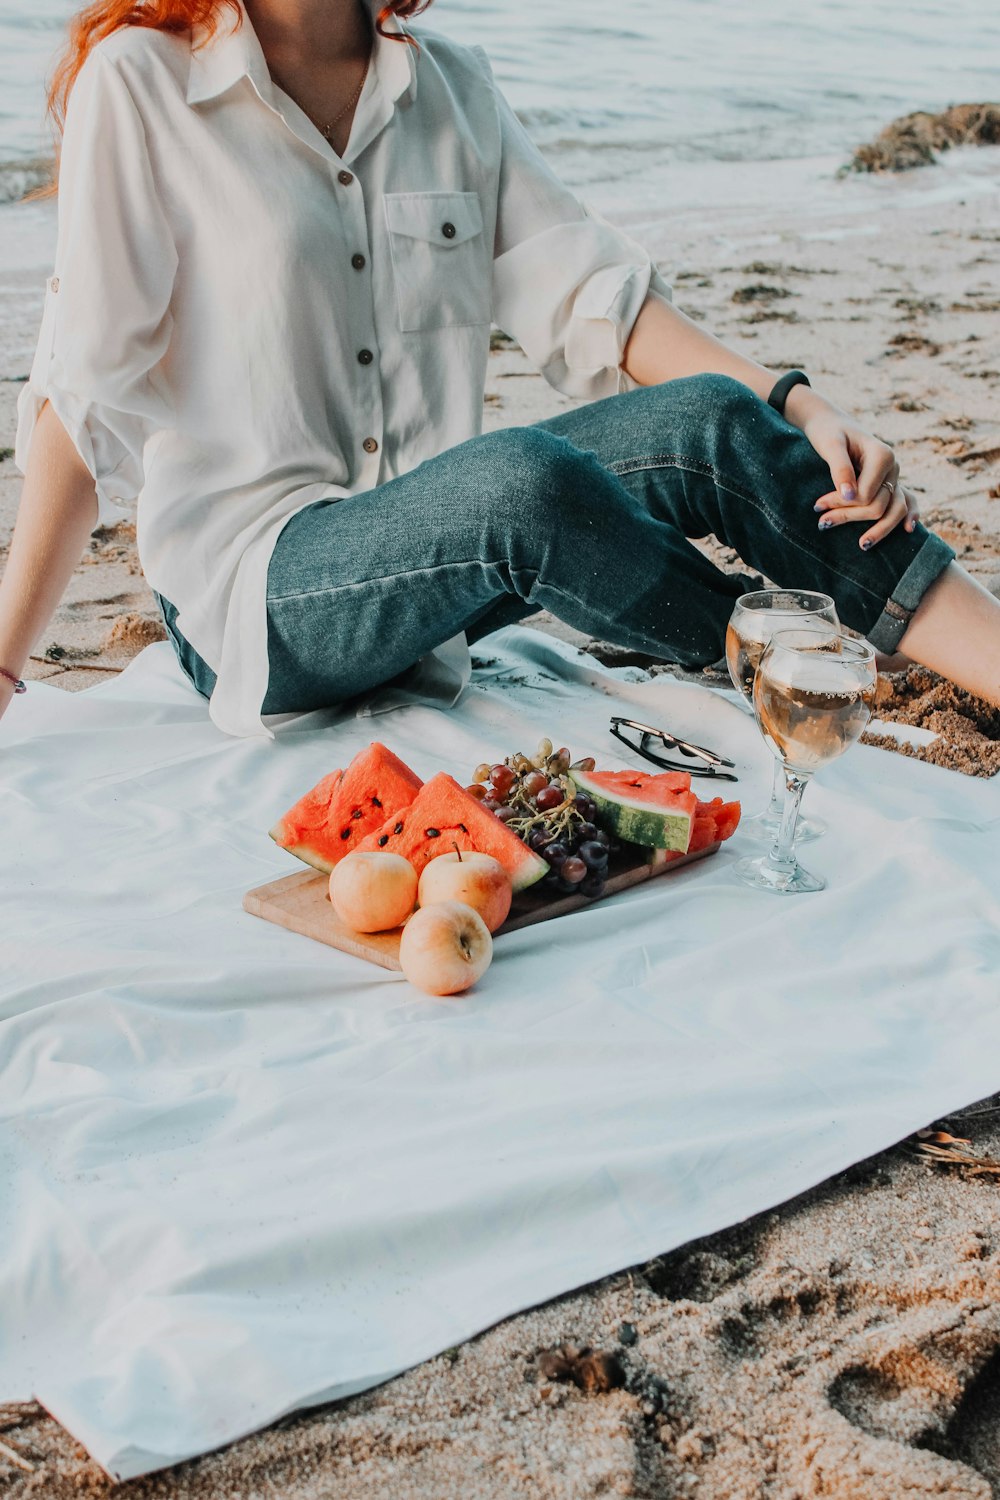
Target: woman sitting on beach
284, 231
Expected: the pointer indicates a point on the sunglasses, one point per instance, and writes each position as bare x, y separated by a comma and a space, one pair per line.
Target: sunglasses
638, 738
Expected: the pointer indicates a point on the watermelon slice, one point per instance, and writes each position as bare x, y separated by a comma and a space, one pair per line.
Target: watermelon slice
639, 794
656, 811
342, 809
442, 817
714, 822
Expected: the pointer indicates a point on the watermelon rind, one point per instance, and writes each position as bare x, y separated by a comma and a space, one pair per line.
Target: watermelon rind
637, 822
312, 806
305, 852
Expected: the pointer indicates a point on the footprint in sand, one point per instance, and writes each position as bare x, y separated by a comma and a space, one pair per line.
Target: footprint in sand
932, 1387
972, 1436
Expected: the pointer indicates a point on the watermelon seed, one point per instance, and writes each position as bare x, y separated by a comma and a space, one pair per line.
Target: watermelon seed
376, 802
432, 833
383, 841
345, 833
398, 828
357, 813
463, 827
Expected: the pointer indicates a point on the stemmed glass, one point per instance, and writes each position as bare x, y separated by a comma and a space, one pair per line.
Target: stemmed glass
813, 694
754, 620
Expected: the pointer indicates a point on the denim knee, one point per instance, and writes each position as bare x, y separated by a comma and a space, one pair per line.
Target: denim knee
709, 397
532, 475
722, 394
527, 457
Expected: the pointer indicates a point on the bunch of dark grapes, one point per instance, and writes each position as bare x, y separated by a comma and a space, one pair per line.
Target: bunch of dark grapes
537, 799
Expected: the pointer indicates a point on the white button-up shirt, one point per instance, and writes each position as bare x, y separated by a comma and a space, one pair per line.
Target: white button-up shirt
219, 352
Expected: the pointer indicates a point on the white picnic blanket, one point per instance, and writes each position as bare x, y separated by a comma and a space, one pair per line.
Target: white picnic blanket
241, 1173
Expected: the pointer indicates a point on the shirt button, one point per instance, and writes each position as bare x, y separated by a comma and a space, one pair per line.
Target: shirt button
365, 356
358, 262
54, 283
345, 178
448, 230
370, 445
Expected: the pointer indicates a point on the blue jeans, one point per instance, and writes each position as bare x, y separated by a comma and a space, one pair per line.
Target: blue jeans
586, 515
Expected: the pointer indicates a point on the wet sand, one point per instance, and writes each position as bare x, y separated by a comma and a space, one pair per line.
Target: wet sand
848, 1344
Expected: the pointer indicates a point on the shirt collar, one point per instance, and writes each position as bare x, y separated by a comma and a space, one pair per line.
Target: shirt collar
234, 52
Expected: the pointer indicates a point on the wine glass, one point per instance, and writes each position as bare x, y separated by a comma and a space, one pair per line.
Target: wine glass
813, 695
754, 620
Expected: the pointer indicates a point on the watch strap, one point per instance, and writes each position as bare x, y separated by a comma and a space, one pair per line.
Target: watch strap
779, 394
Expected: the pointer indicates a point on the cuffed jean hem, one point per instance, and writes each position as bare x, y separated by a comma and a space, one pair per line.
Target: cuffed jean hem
928, 565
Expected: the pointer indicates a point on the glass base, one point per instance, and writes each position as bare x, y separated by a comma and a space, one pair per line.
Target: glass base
765, 876
762, 828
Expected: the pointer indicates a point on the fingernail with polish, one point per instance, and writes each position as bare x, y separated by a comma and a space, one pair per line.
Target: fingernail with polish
865, 546
848, 491
819, 505
825, 525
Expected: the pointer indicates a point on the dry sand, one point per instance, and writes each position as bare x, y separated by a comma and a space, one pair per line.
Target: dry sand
847, 1345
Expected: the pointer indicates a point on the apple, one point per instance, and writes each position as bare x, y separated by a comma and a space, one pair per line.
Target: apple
373, 891
477, 879
445, 948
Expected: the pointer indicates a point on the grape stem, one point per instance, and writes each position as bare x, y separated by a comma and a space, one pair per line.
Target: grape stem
524, 825
560, 819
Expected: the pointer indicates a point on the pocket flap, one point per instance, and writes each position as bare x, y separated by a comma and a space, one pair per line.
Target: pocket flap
444, 218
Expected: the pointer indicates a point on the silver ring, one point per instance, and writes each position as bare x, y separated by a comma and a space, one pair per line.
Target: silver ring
887, 484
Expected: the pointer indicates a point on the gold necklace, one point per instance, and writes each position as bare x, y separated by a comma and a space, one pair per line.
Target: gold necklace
327, 132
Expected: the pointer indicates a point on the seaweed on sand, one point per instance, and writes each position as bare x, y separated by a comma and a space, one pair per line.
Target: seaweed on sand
914, 140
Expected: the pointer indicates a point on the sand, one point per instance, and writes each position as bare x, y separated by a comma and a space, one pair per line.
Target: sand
847, 1345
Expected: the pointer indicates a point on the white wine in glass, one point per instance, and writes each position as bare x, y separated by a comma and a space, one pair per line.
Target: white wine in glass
754, 620
813, 697
809, 726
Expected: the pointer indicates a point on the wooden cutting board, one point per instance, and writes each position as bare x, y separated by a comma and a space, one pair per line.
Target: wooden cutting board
301, 902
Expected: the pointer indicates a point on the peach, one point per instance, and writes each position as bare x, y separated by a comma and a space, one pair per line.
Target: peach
373, 892
477, 879
445, 948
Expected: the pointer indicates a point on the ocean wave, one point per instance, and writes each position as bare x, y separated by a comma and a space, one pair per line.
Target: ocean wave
17, 178
544, 117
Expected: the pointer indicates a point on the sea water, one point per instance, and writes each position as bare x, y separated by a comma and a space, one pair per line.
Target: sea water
642, 106
613, 87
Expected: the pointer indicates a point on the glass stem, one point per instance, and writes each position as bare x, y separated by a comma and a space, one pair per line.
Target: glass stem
776, 806
782, 856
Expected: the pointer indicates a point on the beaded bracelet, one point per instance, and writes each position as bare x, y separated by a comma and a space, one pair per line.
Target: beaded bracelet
19, 686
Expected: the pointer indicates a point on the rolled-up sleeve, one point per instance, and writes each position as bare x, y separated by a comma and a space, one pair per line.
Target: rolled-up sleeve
567, 285
106, 321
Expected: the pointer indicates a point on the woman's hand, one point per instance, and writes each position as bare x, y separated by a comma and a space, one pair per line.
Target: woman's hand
665, 344
864, 470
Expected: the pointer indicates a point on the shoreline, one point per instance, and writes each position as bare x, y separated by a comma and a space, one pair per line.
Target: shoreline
849, 1339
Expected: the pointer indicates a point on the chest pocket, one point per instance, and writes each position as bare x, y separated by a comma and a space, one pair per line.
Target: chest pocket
440, 262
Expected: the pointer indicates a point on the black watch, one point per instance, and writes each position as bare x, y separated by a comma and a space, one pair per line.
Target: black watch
788, 382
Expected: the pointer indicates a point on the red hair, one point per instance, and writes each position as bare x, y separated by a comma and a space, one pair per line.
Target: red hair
96, 21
